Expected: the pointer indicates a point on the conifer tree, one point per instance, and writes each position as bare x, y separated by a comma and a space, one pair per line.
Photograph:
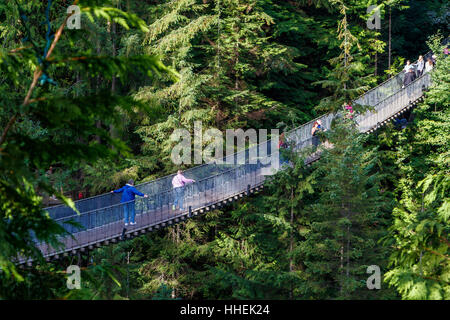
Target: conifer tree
419, 264
346, 81
229, 66
44, 124
345, 223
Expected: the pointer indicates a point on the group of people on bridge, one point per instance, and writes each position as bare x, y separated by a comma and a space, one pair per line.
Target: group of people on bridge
413, 71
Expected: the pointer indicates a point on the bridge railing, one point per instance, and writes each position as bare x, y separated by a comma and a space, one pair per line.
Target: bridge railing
393, 104
221, 181
377, 96
235, 177
232, 179
151, 188
389, 87
158, 207
372, 97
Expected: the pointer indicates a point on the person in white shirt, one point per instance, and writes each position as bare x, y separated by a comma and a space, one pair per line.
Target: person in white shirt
420, 66
433, 59
410, 75
429, 65
408, 66
178, 183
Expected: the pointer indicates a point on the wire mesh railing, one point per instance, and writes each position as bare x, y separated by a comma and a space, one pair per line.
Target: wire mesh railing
102, 216
391, 105
390, 86
100, 224
302, 133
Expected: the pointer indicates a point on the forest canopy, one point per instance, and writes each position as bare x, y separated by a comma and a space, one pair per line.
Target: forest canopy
83, 110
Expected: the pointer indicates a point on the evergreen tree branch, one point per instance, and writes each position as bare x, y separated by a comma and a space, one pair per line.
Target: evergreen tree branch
37, 74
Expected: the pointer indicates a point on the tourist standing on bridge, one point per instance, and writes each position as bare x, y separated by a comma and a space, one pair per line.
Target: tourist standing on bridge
282, 145
178, 182
349, 108
433, 58
282, 141
317, 126
410, 74
128, 196
420, 66
429, 65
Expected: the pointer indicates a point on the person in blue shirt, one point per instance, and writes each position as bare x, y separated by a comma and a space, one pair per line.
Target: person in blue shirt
129, 193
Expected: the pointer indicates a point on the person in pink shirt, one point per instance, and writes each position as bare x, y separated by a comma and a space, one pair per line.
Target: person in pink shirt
178, 183
349, 108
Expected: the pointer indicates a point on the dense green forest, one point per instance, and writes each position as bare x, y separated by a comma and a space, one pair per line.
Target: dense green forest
98, 104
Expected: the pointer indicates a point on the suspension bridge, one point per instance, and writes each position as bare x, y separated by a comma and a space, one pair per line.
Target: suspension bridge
101, 217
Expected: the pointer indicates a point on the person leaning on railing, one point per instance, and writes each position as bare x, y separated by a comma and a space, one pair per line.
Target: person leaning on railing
178, 183
128, 196
317, 127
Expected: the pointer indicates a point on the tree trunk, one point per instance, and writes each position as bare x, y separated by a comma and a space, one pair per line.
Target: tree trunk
376, 64
128, 273
98, 122
390, 36
348, 252
342, 252
291, 245
112, 34
108, 284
